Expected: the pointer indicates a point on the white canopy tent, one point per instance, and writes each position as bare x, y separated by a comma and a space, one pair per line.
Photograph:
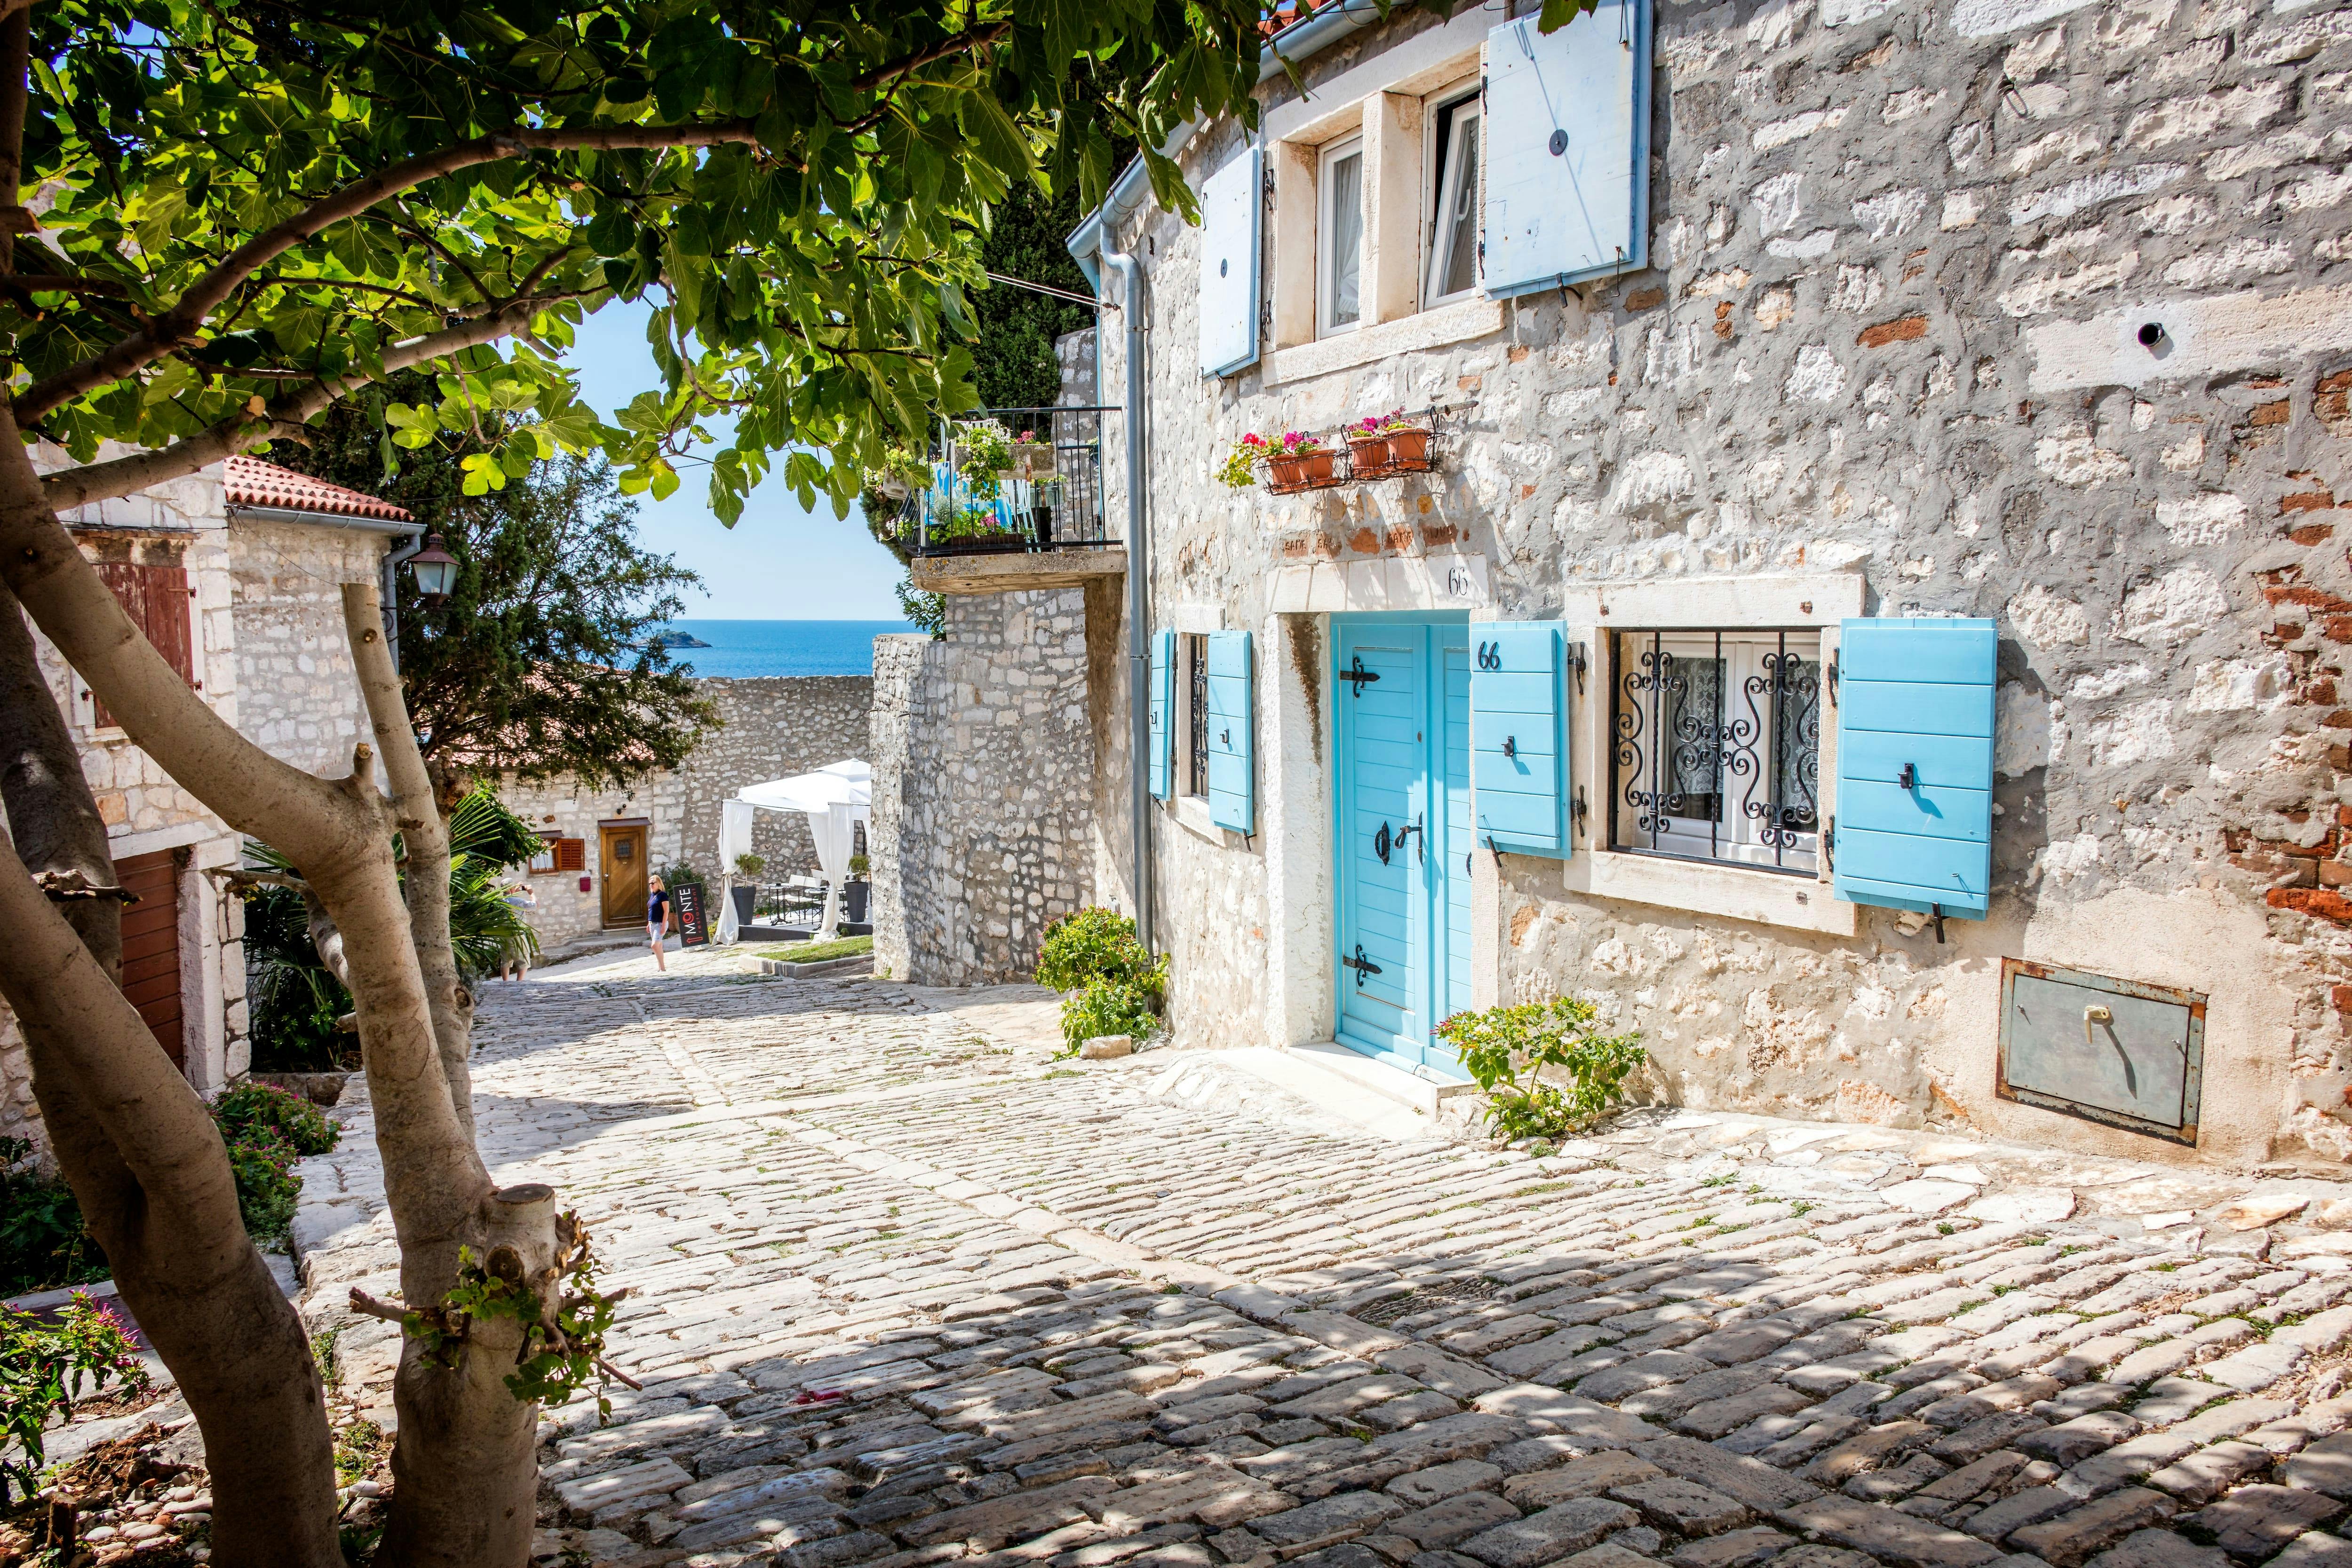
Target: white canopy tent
834, 797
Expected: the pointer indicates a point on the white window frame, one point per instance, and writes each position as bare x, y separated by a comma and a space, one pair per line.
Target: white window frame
1442, 186
1330, 155
1733, 834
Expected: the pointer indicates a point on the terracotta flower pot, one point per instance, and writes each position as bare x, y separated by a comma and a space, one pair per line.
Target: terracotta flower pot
1370, 455
1315, 467
1408, 447
1285, 473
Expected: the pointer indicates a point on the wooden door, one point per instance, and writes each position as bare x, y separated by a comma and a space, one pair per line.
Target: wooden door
150, 946
1382, 780
623, 855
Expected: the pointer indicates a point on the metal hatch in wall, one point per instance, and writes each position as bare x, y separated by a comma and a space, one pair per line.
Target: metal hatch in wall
2115, 1051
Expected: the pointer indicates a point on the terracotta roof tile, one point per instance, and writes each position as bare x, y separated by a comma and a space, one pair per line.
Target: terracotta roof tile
253, 483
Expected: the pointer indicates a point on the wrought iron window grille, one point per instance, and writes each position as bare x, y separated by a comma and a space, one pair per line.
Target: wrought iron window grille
1716, 753
1196, 649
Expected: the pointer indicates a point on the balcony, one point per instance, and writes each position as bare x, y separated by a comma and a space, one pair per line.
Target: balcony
1014, 503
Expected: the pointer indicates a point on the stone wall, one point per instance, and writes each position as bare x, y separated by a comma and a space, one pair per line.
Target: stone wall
1899, 254
182, 523
773, 726
984, 757
301, 697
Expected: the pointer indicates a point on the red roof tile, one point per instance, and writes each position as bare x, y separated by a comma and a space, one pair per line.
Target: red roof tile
253, 483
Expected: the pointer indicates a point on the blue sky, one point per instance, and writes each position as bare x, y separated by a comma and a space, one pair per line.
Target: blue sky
779, 563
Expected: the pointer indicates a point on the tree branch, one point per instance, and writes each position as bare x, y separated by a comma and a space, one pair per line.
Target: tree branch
281, 418
425, 835
179, 325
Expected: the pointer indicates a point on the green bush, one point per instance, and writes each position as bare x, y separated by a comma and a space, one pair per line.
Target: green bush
1098, 944
1105, 1007
1115, 988
301, 1125
266, 1188
43, 1242
1508, 1049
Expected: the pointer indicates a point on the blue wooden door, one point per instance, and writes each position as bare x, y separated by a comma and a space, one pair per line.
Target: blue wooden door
1402, 822
1458, 842
1384, 937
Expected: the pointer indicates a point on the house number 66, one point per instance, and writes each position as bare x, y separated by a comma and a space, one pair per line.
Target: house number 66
1457, 582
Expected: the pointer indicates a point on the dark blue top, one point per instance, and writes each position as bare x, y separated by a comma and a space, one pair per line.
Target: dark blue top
656, 906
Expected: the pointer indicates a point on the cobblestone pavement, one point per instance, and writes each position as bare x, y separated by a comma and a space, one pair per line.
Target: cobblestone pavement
904, 1291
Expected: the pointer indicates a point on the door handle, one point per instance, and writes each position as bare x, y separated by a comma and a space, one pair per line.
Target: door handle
2100, 1013
1421, 850
1224, 737
1382, 843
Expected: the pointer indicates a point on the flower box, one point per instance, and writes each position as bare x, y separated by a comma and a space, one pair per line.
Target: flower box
1312, 469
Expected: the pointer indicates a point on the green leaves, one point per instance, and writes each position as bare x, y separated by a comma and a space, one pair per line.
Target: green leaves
805, 209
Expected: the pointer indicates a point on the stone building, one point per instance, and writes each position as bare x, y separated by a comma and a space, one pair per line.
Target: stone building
234, 575
1926, 420
603, 841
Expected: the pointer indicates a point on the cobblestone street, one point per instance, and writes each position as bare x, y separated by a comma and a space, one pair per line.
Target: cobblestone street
904, 1291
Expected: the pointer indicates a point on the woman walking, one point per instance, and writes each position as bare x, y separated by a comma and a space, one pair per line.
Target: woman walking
658, 919
515, 962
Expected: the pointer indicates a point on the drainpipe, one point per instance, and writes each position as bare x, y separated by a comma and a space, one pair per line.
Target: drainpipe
392, 562
1138, 598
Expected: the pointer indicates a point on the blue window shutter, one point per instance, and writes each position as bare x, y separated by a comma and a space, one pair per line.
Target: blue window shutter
1519, 735
1232, 775
1914, 702
1567, 148
1229, 203
1163, 712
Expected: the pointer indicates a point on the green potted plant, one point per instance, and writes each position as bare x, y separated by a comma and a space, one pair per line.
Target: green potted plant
746, 892
1239, 470
856, 890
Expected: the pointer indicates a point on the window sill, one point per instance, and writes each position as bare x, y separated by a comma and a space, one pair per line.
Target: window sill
1446, 324
1737, 892
1192, 816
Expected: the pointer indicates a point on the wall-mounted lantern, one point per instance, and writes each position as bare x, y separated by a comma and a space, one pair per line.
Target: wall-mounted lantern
435, 570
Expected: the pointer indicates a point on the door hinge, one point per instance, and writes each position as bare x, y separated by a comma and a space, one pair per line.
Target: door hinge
1833, 678
1576, 662
1581, 808
1357, 673
1362, 964
1829, 843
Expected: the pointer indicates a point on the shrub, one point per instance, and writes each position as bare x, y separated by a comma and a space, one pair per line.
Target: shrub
266, 1188
750, 864
1115, 987
302, 1126
43, 1368
1507, 1050
1105, 1007
679, 874
1098, 944
43, 1242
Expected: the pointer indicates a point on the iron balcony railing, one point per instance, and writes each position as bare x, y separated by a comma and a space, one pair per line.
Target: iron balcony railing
1008, 480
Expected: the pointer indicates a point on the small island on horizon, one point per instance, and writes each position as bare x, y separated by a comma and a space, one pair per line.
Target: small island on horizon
678, 640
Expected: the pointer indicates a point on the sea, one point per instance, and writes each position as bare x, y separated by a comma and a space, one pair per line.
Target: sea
745, 648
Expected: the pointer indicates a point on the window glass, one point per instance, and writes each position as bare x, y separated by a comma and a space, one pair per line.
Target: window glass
1454, 248
1717, 747
1343, 230
545, 860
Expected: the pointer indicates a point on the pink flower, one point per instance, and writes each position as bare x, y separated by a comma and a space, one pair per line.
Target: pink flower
1252, 439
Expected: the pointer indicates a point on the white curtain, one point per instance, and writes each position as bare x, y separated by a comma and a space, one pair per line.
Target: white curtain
734, 838
831, 830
